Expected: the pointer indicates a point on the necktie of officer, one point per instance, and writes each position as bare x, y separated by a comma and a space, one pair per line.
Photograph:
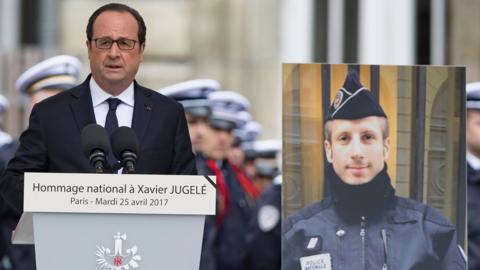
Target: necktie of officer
111, 123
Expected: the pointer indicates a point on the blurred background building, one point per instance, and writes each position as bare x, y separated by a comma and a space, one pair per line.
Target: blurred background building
242, 43
234, 42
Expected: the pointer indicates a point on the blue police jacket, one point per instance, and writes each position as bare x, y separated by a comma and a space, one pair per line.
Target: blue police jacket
405, 235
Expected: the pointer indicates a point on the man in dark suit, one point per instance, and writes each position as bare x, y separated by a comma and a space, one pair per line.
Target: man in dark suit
45, 79
109, 97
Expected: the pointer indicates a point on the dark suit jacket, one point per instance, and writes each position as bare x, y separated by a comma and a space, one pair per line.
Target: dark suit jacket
51, 142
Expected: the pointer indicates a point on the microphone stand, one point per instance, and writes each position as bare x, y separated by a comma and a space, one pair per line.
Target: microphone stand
128, 160
97, 159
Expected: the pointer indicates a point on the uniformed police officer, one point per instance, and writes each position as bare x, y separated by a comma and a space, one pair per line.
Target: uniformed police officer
39, 82
248, 134
473, 173
6, 143
49, 78
266, 167
236, 155
5, 138
193, 95
363, 225
237, 193
264, 231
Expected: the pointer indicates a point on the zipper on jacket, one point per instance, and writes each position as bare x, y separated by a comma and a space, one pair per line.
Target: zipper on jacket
363, 232
385, 253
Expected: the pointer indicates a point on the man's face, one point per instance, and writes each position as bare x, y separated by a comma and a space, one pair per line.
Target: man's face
114, 69
197, 127
236, 156
249, 168
357, 149
217, 143
473, 132
225, 140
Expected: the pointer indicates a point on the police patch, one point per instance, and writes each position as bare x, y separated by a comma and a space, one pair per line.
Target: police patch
313, 244
338, 99
268, 217
316, 262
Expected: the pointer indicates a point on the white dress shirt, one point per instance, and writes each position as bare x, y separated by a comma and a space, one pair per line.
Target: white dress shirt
100, 104
473, 161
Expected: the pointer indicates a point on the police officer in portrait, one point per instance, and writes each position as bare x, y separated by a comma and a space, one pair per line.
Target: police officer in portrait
363, 224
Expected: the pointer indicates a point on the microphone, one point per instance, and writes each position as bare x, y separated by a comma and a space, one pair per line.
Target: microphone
125, 147
95, 145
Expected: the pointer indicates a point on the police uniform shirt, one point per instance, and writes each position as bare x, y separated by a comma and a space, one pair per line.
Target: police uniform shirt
264, 235
232, 233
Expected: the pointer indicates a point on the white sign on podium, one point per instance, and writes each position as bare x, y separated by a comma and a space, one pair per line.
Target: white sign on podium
118, 222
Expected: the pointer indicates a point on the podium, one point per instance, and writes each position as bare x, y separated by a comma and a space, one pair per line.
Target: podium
115, 222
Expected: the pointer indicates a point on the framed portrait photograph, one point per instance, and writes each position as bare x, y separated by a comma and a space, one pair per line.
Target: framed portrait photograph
373, 167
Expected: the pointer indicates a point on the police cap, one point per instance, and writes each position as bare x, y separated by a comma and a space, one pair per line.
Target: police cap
226, 109
193, 95
4, 104
354, 101
60, 72
473, 96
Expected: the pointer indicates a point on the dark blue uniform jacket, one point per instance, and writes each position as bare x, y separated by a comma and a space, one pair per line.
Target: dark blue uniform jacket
407, 235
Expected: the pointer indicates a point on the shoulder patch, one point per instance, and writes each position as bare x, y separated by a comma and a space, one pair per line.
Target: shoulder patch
305, 213
428, 213
268, 217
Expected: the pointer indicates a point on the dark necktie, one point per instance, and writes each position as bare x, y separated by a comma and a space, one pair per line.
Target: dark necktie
111, 123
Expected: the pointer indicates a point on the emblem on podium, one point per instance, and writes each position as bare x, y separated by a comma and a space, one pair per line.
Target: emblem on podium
118, 260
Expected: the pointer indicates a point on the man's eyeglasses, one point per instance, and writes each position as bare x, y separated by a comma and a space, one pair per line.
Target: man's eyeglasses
105, 43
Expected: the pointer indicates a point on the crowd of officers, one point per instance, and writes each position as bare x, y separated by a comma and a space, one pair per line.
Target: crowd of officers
245, 232
224, 140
